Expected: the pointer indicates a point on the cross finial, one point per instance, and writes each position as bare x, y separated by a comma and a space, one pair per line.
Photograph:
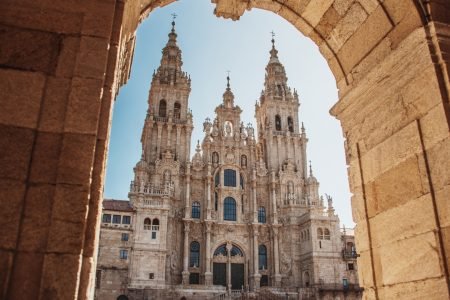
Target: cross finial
228, 79
273, 37
174, 16
310, 169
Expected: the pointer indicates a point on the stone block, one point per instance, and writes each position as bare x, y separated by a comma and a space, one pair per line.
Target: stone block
45, 157
76, 159
443, 206
38, 53
404, 221
315, 10
430, 289
105, 118
92, 57
368, 34
60, 276
6, 259
407, 260
347, 26
12, 193
341, 6
439, 162
400, 146
328, 22
365, 274
434, 126
21, 97
71, 203
98, 19
446, 242
36, 218
70, 47
54, 105
362, 236
43, 18
15, 151
65, 237
394, 188
26, 276
369, 5
83, 110
358, 207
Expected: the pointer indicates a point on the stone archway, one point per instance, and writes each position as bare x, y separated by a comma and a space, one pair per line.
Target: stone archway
391, 68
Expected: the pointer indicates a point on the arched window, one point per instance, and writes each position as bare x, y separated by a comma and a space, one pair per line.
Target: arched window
122, 297
194, 258
243, 161
229, 209
215, 158
262, 257
221, 250
261, 214
306, 279
277, 123
236, 251
290, 124
177, 110
320, 233
326, 233
162, 108
349, 247
147, 224
229, 177
155, 225
195, 214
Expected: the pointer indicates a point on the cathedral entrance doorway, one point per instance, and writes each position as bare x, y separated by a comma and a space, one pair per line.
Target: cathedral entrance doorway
229, 267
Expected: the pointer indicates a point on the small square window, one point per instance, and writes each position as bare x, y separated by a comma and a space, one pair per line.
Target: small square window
351, 267
116, 219
153, 235
125, 237
123, 254
106, 218
126, 220
151, 276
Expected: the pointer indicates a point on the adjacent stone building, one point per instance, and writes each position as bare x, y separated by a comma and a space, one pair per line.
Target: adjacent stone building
242, 214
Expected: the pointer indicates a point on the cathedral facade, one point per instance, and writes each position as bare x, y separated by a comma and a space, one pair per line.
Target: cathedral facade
243, 213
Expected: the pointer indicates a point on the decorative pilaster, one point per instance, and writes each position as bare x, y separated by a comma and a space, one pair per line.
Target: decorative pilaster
256, 276
208, 273
185, 273
276, 256
187, 214
208, 193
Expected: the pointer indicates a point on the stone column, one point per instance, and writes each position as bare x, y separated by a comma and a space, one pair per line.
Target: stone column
187, 214
188, 142
229, 247
277, 276
208, 193
255, 205
208, 274
158, 145
185, 273
274, 199
169, 131
256, 276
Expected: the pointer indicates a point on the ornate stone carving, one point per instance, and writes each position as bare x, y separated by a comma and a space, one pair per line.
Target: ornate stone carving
231, 9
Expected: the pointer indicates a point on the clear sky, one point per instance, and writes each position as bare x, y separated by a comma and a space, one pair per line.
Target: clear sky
211, 46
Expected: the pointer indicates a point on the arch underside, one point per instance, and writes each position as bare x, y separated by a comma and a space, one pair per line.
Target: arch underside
391, 68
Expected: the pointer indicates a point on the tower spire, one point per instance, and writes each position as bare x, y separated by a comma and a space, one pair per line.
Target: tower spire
228, 80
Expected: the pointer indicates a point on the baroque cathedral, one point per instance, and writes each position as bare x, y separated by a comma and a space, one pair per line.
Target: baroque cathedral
242, 215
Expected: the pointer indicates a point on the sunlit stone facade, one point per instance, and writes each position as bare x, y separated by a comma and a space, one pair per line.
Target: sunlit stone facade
243, 213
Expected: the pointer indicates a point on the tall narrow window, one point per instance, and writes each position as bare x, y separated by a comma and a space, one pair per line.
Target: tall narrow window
155, 225
123, 254
147, 224
126, 220
106, 218
242, 181
229, 211
216, 201
194, 258
195, 213
261, 215
290, 124
326, 233
177, 110
116, 219
162, 108
277, 123
262, 257
217, 179
320, 233
229, 177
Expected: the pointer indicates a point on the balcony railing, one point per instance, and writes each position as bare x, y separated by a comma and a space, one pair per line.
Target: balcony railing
166, 190
349, 254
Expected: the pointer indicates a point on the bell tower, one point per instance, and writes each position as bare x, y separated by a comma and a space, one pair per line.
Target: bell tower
168, 125
280, 136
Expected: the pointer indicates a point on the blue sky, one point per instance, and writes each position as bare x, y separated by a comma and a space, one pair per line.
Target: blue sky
211, 46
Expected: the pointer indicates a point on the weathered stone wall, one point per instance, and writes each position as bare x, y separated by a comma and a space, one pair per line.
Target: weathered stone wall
389, 58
